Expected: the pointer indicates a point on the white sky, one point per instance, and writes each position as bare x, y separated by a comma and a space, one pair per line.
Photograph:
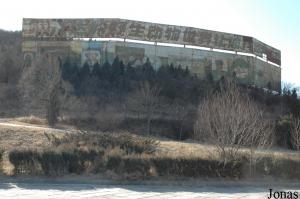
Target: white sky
275, 22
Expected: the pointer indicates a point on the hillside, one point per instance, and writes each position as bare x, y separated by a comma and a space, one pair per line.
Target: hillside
140, 121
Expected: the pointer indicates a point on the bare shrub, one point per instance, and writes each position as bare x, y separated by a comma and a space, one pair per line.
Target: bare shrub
146, 100
181, 113
74, 107
109, 117
40, 85
96, 141
89, 113
295, 133
230, 120
53, 107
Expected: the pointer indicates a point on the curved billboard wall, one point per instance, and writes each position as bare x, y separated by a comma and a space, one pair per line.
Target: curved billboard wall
57, 35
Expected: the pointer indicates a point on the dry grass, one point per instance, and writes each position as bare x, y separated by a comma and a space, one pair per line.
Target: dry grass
23, 137
35, 137
185, 149
36, 122
32, 120
16, 137
205, 151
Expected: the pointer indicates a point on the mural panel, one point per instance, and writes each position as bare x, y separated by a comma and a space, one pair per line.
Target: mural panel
29, 46
130, 55
266, 75
90, 57
246, 69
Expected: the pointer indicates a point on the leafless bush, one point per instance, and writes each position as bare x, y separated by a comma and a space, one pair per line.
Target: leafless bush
130, 143
40, 85
295, 133
180, 113
53, 107
109, 117
230, 120
146, 100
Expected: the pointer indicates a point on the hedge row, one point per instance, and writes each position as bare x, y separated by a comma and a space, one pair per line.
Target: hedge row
52, 163
278, 168
60, 163
179, 167
1, 154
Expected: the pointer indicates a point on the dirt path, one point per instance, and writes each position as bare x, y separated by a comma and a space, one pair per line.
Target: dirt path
5, 122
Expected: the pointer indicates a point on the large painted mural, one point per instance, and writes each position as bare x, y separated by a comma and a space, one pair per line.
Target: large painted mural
64, 37
203, 63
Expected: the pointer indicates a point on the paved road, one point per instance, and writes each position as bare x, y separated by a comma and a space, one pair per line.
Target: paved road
66, 191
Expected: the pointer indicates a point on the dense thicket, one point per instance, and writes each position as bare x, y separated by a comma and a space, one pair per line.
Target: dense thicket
119, 79
10, 70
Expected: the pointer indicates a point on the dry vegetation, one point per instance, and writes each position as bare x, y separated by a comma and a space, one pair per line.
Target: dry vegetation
35, 137
17, 137
31, 120
39, 150
205, 151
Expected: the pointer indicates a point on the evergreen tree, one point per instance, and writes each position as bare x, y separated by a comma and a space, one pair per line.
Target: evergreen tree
97, 70
186, 71
106, 71
148, 71
84, 72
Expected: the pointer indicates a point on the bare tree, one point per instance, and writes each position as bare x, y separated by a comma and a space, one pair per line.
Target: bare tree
295, 133
287, 88
230, 120
41, 83
180, 113
53, 106
146, 100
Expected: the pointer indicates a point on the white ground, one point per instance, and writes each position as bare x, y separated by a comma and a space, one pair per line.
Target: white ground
69, 190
